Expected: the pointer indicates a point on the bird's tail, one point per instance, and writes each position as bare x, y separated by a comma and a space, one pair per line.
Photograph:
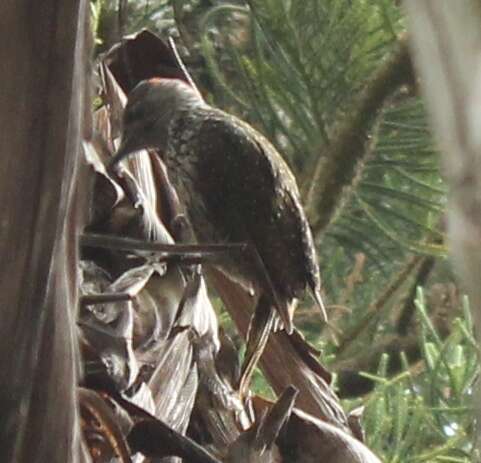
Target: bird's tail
316, 294
285, 311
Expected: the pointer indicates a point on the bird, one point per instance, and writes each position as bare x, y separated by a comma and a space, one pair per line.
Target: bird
235, 188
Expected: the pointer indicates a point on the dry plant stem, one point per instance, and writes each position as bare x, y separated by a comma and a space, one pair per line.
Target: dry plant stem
186, 252
151, 436
104, 298
261, 326
180, 64
278, 415
281, 362
340, 166
258, 335
446, 45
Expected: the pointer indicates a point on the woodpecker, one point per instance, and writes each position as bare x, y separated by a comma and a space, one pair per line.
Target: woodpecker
235, 188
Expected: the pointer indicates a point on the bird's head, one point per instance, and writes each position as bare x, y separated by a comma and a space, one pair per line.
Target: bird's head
151, 105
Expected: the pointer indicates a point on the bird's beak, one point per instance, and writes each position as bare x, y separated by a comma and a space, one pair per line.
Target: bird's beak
126, 147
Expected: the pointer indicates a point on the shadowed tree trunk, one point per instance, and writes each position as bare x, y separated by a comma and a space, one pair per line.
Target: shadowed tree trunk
446, 43
42, 98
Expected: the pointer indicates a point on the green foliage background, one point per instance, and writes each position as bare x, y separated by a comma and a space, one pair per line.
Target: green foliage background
297, 70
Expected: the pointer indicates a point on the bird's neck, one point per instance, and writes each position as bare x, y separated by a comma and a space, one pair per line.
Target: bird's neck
183, 126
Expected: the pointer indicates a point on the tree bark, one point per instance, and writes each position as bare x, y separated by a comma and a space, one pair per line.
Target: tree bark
42, 102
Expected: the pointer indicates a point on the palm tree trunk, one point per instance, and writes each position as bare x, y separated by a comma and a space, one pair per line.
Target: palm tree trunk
42, 95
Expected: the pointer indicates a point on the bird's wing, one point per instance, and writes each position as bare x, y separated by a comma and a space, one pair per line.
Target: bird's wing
252, 192
308, 250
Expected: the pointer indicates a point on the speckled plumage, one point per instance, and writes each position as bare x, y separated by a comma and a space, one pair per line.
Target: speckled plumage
234, 185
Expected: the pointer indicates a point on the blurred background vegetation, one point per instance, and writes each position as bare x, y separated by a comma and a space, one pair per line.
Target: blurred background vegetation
305, 73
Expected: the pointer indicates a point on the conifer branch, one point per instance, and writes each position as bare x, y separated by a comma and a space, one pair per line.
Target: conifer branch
375, 308
337, 171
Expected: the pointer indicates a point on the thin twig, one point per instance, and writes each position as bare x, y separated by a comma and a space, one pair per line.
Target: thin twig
182, 66
166, 251
104, 298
